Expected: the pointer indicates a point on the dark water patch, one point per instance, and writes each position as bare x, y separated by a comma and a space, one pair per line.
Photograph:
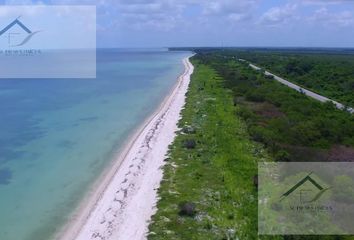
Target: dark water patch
66, 144
7, 155
88, 119
5, 176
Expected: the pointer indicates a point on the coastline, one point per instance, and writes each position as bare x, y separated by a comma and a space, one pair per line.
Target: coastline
126, 192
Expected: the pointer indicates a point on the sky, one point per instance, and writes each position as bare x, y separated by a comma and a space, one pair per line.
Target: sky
219, 23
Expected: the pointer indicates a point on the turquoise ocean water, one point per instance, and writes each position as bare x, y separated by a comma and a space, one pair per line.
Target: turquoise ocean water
57, 135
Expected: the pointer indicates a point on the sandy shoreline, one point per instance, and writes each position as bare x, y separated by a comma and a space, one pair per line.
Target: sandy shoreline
123, 201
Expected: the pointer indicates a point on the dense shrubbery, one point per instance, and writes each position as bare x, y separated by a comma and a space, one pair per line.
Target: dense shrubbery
292, 126
187, 209
216, 174
208, 190
329, 74
189, 144
278, 116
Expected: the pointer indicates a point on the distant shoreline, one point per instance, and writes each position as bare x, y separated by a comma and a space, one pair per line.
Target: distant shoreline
126, 191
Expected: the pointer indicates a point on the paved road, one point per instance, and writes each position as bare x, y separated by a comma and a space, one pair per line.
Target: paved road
300, 89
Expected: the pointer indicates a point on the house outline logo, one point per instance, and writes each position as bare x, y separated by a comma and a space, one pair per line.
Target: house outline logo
308, 178
17, 22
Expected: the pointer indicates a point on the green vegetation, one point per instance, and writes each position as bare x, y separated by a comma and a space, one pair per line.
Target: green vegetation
291, 125
208, 190
331, 75
235, 118
272, 210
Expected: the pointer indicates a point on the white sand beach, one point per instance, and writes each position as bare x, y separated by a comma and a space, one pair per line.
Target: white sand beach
125, 198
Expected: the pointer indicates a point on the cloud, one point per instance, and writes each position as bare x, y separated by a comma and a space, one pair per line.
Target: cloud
140, 21
336, 19
238, 17
161, 14
169, 12
148, 7
22, 2
166, 15
278, 15
231, 10
325, 2
152, 14
227, 6
132, 14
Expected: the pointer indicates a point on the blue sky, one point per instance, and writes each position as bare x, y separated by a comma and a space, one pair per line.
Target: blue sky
159, 23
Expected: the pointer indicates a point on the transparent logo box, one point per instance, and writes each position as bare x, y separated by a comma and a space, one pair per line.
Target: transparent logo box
40, 41
306, 198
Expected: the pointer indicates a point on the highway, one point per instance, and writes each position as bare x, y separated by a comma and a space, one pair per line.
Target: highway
301, 89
